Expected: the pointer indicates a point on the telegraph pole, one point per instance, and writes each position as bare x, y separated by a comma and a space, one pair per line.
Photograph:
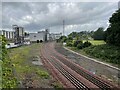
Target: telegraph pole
63, 26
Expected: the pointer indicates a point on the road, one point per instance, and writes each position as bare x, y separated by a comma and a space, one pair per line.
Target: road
69, 73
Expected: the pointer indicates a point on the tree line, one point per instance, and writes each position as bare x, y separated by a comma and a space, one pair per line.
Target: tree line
111, 35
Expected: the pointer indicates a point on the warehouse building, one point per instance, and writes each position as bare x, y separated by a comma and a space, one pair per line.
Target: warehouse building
42, 36
54, 36
57, 35
38, 37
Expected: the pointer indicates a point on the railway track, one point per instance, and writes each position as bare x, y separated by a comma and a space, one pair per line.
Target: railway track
76, 82
92, 78
55, 73
89, 77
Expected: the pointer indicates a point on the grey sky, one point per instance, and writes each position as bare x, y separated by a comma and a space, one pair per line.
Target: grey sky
78, 16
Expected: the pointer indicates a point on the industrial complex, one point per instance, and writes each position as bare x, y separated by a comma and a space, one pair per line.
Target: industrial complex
18, 36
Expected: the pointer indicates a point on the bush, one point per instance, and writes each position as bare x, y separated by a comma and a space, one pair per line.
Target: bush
108, 53
62, 39
69, 44
80, 46
87, 44
83, 45
43, 74
76, 43
8, 78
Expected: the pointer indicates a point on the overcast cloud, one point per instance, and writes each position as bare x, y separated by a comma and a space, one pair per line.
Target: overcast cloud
78, 16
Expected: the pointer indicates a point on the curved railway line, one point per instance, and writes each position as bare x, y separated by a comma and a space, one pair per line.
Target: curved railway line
69, 76
98, 82
75, 81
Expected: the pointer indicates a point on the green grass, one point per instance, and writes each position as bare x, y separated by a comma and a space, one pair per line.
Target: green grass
103, 52
57, 86
96, 42
22, 57
42, 74
1, 74
107, 53
18, 58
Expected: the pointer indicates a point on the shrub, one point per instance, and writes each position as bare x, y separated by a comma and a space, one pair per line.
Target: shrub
108, 53
87, 44
62, 39
80, 46
69, 44
43, 74
83, 45
76, 43
8, 78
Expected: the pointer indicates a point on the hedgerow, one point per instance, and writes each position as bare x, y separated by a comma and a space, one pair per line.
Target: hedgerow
108, 53
8, 78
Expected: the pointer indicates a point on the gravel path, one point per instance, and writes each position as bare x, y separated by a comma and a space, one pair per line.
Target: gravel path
102, 70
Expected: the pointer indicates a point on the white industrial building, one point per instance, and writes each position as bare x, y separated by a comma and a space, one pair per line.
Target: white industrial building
37, 37
54, 36
11, 34
57, 35
18, 37
8, 34
44, 36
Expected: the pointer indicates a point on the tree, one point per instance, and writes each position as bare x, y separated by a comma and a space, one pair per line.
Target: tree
76, 42
70, 38
99, 34
112, 34
73, 34
62, 39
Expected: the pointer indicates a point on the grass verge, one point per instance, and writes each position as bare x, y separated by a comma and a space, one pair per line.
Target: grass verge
96, 42
29, 74
104, 52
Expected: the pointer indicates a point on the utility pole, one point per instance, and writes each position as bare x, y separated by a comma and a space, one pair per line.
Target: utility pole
63, 27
